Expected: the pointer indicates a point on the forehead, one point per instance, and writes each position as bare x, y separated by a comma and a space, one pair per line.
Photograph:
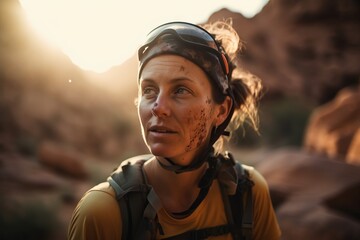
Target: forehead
172, 66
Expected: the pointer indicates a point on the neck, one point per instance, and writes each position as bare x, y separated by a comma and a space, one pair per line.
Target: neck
196, 162
185, 179
176, 191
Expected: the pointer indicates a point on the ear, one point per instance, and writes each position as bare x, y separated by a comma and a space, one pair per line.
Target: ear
224, 110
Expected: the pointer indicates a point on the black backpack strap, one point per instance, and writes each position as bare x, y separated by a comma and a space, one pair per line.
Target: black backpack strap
139, 204
225, 197
137, 200
124, 206
203, 233
238, 205
149, 222
247, 223
241, 204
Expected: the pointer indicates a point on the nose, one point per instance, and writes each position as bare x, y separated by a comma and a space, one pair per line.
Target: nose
161, 106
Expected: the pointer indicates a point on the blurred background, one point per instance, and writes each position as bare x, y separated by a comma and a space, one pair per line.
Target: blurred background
67, 113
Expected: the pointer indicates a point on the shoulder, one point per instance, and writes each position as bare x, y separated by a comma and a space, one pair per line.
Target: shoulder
260, 189
260, 184
101, 195
97, 209
96, 202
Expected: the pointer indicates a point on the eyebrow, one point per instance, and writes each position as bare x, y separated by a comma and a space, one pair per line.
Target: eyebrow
182, 79
173, 81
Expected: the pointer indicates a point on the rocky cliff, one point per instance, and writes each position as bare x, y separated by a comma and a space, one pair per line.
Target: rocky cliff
307, 48
59, 133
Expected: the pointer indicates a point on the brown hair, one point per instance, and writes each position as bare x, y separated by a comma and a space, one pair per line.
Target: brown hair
246, 87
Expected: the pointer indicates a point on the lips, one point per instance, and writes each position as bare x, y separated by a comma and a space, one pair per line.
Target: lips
161, 129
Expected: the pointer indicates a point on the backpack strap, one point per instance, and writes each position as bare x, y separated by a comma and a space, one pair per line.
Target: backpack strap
138, 202
236, 190
203, 233
149, 222
240, 210
247, 219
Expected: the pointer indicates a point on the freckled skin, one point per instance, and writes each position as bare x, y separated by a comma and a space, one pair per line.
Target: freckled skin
179, 93
199, 134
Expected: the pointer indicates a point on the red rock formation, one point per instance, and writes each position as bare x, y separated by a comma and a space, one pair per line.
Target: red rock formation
332, 127
319, 197
353, 154
304, 48
307, 48
63, 161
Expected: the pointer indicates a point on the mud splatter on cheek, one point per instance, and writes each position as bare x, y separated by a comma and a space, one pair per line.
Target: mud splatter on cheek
208, 101
198, 134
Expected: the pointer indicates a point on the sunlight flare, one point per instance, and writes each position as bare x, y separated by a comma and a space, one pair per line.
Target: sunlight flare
97, 35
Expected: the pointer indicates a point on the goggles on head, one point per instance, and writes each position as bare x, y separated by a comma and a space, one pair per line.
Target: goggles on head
190, 36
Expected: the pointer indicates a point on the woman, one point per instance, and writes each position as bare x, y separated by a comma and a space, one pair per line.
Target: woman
188, 96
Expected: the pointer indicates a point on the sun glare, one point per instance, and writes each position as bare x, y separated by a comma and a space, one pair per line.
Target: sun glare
97, 35
83, 29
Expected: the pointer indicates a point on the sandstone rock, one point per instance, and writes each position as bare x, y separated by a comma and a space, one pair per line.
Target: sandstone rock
353, 155
302, 48
332, 126
26, 173
319, 196
345, 200
62, 160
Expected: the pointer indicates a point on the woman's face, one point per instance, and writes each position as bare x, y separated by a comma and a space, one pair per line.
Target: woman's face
176, 108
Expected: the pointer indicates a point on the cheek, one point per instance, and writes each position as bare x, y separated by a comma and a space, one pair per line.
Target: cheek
143, 112
199, 124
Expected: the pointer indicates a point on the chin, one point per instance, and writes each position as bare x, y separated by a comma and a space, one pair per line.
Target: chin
161, 151
162, 154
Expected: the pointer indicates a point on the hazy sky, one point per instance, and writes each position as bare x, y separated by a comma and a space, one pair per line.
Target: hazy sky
98, 34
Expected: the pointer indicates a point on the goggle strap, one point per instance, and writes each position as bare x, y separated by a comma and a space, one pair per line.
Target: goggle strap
219, 50
226, 64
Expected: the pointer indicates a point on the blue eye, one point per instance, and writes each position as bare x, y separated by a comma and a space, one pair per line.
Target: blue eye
148, 91
181, 90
